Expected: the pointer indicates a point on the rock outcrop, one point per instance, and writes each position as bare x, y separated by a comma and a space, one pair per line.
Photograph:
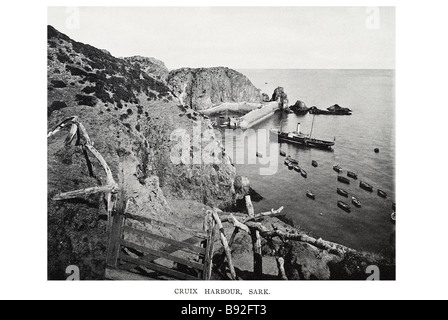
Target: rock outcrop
204, 88
281, 97
151, 66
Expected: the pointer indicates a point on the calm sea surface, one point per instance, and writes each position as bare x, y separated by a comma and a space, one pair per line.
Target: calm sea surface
371, 96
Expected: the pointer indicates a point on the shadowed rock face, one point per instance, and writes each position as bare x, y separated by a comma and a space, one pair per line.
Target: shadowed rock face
206, 87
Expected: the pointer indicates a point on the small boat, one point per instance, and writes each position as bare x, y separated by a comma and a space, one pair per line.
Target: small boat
343, 180
314, 164
377, 150
393, 216
365, 186
382, 194
290, 166
342, 192
337, 168
344, 206
311, 195
294, 162
352, 175
259, 155
282, 153
297, 168
356, 202
303, 173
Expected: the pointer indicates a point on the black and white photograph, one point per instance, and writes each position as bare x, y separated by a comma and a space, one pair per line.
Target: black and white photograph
232, 143
225, 159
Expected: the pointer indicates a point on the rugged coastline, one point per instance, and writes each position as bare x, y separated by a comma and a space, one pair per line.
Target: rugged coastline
130, 108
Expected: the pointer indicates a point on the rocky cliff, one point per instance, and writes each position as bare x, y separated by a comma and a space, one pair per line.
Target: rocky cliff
206, 87
130, 115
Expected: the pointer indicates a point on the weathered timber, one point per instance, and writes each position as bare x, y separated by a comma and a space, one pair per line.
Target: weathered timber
281, 268
157, 268
256, 242
85, 192
225, 245
318, 243
179, 244
162, 254
151, 221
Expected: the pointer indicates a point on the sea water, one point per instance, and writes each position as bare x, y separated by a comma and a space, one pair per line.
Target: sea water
371, 96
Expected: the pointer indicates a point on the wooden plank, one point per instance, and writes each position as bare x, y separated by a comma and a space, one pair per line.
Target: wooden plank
167, 249
225, 244
114, 239
116, 274
256, 243
158, 268
208, 263
179, 244
164, 255
191, 232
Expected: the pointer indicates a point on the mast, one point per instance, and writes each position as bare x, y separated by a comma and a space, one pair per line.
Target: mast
312, 125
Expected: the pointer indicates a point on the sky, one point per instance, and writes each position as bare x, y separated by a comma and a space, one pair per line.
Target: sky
238, 37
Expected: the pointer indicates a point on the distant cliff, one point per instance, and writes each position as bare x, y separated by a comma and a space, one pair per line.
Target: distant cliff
151, 66
206, 87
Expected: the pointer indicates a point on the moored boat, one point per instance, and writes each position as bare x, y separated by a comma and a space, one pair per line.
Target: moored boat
290, 166
259, 155
343, 180
337, 168
314, 163
344, 206
365, 186
293, 161
342, 192
287, 162
297, 168
352, 175
393, 216
301, 139
356, 202
282, 153
311, 195
303, 173
382, 194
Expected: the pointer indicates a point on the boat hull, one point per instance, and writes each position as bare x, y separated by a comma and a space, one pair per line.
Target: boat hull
342, 193
366, 186
303, 141
344, 206
343, 180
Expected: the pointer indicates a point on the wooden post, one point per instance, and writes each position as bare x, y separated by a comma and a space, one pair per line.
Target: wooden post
256, 243
281, 268
208, 262
225, 245
115, 232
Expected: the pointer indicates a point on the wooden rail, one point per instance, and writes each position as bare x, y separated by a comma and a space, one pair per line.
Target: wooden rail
122, 265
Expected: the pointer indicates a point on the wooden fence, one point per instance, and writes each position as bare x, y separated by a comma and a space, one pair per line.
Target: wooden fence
143, 263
